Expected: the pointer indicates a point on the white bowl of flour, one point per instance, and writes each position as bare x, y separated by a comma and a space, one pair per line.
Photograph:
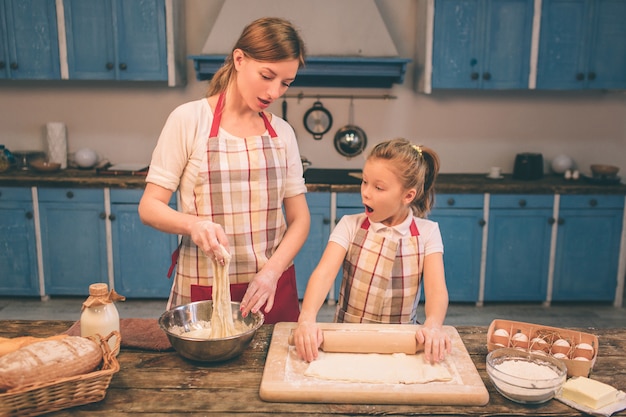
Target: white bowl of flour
525, 377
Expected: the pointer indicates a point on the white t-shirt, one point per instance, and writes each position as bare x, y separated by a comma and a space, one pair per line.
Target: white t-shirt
343, 234
181, 147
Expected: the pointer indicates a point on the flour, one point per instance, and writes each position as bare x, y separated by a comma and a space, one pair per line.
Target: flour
529, 370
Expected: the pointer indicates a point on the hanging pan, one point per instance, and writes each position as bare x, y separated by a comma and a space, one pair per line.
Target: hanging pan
318, 120
350, 140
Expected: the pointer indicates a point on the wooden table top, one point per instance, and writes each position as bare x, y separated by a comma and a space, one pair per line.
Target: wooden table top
165, 384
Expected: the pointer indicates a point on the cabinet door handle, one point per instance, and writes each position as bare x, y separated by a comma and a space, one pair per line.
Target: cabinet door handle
103, 215
551, 221
69, 194
3, 65
123, 66
482, 222
561, 221
112, 217
474, 75
522, 203
486, 76
451, 201
580, 76
593, 202
109, 66
326, 220
14, 65
591, 76
29, 215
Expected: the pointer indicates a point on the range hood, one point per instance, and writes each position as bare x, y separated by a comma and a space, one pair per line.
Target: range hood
347, 41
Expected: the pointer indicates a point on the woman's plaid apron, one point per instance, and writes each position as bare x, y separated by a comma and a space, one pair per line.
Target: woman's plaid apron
381, 278
240, 185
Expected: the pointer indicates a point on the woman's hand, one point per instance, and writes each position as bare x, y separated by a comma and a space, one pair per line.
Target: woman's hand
209, 236
261, 290
307, 338
436, 343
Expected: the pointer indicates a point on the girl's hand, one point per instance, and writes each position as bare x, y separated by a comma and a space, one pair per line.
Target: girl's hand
261, 290
436, 343
307, 338
209, 236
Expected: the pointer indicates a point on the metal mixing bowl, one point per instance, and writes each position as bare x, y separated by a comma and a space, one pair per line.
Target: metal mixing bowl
186, 318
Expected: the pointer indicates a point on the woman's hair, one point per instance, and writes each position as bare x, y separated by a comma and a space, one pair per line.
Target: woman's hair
268, 39
416, 166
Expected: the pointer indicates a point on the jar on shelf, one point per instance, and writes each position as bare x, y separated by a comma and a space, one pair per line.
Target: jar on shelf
99, 315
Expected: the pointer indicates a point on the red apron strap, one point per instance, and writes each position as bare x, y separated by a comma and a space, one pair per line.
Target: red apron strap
175, 256
268, 125
414, 230
217, 117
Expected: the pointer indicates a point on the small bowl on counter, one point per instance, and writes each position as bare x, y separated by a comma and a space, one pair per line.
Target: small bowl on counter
604, 171
44, 166
524, 377
188, 328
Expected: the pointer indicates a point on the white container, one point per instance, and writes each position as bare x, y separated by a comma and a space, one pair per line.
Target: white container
56, 137
101, 316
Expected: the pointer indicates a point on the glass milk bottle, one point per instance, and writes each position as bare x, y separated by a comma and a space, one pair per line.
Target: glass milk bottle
99, 314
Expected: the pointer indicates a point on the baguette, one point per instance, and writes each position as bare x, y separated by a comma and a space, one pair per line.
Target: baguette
11, 344
48, 360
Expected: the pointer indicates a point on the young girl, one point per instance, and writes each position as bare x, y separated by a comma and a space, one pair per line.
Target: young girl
386, 250
236, 168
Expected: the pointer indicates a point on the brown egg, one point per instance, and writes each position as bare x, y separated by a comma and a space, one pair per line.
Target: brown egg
560, 346
584, 350
500, 337
520, 340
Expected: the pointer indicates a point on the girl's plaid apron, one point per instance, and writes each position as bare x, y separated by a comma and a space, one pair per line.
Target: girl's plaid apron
240, 185
381, 278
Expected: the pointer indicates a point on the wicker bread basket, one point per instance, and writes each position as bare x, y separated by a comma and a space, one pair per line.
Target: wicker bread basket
58, 394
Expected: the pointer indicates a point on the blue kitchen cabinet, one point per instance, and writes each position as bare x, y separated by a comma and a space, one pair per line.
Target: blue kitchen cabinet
141, 254
587, 250
116, 40
311, 252
73, 236
18, 256
461, 222
482, 44
582, 45
29, 46
518, 247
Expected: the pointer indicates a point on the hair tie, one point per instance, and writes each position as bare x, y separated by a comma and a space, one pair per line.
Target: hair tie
418, 149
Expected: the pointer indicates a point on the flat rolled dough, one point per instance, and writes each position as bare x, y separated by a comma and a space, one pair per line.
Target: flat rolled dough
375, 368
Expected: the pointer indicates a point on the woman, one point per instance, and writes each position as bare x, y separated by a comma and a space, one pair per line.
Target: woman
236, 168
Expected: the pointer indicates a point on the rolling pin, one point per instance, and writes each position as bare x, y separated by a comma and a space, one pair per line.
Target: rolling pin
368, 341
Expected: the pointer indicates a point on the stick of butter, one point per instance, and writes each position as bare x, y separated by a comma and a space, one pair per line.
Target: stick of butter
589, 392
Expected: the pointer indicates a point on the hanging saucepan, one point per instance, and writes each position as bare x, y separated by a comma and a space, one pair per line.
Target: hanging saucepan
350, 140
318, 120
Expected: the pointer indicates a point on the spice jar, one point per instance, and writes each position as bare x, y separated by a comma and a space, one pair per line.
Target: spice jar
99, 314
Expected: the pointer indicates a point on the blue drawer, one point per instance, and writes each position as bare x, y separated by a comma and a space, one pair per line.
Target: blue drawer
15, 194
521, 201
591, 201
81, 195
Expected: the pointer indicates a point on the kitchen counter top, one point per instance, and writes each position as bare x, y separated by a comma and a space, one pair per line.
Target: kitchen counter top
338, 180
163, 383
335, 180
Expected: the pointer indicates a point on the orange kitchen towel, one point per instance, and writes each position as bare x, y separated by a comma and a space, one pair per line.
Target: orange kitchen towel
136, 334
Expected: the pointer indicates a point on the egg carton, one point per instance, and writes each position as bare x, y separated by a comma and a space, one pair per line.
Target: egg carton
578, 350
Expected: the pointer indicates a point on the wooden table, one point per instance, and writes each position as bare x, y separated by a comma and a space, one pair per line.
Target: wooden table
164, 384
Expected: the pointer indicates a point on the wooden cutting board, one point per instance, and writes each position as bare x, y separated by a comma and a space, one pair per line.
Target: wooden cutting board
284, 380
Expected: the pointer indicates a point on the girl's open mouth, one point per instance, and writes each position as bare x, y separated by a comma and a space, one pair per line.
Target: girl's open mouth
368, 209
